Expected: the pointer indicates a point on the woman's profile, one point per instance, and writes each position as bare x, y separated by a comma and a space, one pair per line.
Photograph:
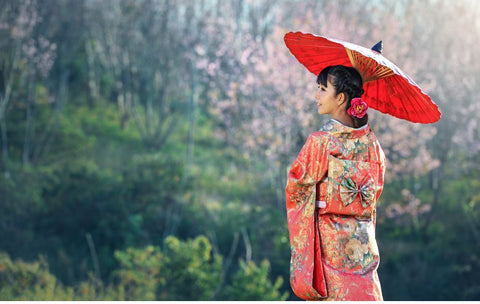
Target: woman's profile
332, 190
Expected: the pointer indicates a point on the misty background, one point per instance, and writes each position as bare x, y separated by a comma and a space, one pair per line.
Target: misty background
145, 146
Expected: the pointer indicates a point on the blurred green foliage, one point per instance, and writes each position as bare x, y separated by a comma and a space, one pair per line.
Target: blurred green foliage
22, 281
251, 283
182, 270
127, 197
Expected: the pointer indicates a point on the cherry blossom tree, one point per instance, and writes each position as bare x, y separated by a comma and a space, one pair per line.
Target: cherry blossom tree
274, 96
17, 21
26, 57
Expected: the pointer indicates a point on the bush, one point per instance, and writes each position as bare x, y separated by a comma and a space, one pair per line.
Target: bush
190, 270
251, 283
22, 281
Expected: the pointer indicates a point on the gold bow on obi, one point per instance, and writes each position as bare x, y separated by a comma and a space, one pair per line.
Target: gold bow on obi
349, 190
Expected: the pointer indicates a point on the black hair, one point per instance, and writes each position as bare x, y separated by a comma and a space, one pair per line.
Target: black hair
345, 80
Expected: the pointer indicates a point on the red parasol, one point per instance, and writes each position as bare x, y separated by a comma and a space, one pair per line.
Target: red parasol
387, 88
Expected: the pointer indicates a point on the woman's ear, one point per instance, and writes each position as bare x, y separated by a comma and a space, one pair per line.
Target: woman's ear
341, 98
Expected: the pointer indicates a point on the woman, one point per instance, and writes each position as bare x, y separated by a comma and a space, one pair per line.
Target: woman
332, 190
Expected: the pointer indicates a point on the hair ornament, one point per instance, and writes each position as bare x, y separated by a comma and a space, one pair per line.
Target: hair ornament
358, 108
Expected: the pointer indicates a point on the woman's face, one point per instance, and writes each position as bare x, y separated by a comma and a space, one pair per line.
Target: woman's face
326, 99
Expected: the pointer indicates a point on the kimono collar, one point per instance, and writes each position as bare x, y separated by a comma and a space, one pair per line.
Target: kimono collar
338, 129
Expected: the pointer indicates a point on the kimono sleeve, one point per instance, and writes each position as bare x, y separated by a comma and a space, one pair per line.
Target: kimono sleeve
307, 170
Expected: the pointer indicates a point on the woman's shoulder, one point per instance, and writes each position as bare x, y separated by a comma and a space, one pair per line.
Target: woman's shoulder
320, 137
319, 134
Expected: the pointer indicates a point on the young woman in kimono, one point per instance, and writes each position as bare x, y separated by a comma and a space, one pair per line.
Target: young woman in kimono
332, 190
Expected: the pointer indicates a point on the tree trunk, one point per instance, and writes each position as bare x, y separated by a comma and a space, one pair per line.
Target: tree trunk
3, 127
192, 120
29, 122
442, 149
92, 81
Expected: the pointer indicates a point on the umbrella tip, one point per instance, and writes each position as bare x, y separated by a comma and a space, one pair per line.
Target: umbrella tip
378, 47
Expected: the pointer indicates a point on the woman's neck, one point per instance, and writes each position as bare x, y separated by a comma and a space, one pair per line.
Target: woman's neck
344, 119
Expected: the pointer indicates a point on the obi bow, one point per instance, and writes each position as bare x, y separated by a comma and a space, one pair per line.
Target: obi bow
349, 190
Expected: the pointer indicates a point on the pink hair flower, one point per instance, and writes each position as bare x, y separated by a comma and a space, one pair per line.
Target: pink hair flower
358, 108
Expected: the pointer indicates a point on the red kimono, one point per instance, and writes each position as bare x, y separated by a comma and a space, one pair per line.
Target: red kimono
332, 190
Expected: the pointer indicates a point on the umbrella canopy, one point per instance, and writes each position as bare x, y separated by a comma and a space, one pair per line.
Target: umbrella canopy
387, 88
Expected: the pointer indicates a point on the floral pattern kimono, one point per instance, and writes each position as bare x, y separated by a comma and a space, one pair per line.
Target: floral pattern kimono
332, 190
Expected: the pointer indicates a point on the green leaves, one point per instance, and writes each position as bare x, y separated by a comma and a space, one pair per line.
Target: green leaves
139, 273
21, 280
181, 270
190, 271
251, 283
